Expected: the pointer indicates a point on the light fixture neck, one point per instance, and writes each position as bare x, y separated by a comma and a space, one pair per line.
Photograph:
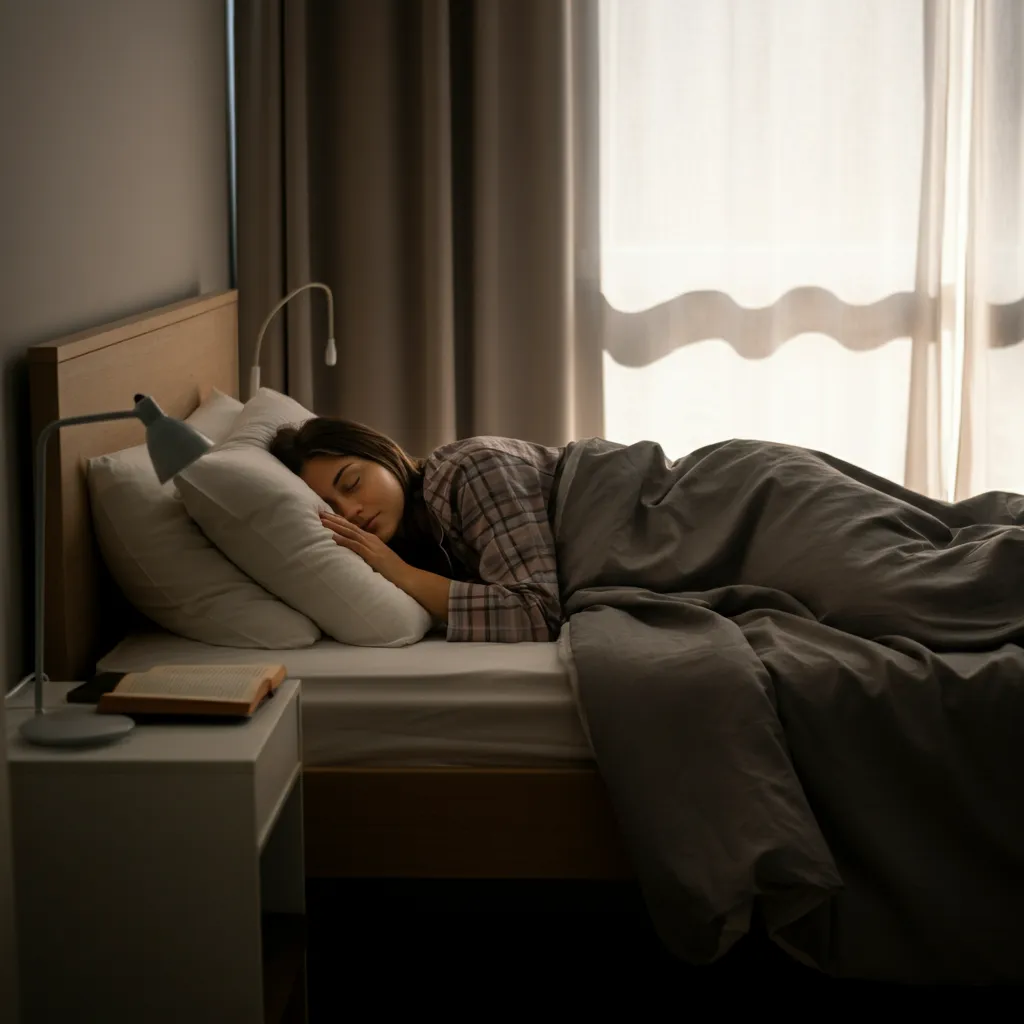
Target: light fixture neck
330, 352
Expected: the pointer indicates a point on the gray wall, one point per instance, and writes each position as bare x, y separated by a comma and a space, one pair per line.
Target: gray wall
113, 200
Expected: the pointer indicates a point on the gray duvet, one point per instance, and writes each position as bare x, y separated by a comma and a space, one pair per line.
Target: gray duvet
805, 693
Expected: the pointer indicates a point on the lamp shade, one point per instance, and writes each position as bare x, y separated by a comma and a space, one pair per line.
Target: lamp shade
173, 445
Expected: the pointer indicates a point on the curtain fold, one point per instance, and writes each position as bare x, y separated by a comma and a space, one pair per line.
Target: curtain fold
924, 466
534, 355
444, 219
990, 442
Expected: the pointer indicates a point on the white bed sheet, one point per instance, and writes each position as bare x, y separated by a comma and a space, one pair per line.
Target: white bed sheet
432, 703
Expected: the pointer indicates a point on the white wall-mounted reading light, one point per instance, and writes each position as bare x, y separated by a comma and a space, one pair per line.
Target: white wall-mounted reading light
330, 352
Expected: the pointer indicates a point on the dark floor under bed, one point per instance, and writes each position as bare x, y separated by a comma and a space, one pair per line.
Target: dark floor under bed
422, 943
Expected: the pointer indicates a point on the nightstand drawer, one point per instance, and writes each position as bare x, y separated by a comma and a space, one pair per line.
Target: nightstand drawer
276, 768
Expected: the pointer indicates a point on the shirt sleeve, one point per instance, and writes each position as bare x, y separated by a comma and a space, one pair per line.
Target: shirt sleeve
504, 520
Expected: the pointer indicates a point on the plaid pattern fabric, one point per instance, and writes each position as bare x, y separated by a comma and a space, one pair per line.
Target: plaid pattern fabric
491, 495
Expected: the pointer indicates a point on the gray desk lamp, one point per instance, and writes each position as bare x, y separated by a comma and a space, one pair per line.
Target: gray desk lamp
172, 445
330, 352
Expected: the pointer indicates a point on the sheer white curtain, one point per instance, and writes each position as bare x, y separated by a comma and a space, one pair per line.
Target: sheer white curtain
810, 230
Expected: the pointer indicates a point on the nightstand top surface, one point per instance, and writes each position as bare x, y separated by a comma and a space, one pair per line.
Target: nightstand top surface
218, 744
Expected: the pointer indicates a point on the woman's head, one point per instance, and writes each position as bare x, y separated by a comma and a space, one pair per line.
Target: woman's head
363, 475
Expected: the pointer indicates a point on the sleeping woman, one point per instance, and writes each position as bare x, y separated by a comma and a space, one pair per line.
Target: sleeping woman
465, 531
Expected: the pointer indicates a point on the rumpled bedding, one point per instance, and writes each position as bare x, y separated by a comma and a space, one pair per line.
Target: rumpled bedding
804, 688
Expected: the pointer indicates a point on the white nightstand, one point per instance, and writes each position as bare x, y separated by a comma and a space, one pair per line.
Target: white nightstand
161, 878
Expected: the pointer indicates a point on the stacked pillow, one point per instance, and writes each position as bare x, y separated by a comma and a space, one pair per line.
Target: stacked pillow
165, 565
266, 520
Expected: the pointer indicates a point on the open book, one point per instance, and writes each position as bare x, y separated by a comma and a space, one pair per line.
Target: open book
193, 690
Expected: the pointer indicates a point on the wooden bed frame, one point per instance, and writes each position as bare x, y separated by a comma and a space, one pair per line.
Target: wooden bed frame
494, 823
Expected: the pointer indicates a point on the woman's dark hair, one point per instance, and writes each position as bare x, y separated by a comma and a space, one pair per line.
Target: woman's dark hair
295, 446
323, 435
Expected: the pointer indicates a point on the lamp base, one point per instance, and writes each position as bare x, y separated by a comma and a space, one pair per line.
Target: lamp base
75, 728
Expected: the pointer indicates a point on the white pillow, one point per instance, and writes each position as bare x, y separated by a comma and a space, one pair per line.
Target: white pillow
215, 416
264, 518
165, 565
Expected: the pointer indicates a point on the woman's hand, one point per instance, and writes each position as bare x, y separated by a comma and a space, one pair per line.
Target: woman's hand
426, 588
368, 546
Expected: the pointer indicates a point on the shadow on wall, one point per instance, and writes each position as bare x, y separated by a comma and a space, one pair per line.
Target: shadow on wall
16, 517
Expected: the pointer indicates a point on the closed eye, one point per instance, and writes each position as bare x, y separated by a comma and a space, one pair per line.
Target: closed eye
352, 486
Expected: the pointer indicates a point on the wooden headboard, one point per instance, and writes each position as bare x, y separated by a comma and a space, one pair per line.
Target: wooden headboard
176, 354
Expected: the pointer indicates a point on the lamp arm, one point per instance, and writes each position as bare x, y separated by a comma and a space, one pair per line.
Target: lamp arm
40, 527
254, 372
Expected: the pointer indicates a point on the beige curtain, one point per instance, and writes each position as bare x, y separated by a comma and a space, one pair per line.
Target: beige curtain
428, 161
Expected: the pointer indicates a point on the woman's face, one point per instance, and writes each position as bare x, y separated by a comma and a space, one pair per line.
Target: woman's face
362, 491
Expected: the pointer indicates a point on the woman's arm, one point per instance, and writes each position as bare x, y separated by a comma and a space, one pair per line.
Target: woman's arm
502, 514
426, 588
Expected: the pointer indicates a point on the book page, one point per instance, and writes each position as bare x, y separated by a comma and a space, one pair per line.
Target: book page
196, 682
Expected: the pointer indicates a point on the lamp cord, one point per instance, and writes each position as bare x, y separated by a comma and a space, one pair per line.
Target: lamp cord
24, 681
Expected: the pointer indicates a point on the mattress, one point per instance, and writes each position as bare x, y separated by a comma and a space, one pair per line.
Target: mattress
432, 703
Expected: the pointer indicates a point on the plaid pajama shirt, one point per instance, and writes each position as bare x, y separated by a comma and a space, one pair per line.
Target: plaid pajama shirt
490, 495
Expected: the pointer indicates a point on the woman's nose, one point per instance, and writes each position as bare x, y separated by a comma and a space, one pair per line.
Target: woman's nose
349, 509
